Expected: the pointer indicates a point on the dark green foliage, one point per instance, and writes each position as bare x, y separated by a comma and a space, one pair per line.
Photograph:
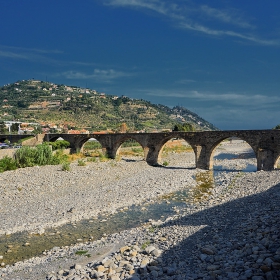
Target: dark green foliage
3, 128
22, 104
37, 130
14, 127
59, 157
91, 145
59, 144
7, 163
40, 155
184, 127
25, 157
43, 155
277, 126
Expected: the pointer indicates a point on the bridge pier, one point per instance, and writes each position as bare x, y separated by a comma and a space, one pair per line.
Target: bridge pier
152, 157
265, 160
201, 161
111, 152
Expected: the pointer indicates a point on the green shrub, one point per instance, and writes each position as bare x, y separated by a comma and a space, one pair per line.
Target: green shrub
81, 162
7, 163
59, 144
91, 159
43, 155
40, 155
92, 145
103, 157
165, 163
25, 157
59, 157
66, 166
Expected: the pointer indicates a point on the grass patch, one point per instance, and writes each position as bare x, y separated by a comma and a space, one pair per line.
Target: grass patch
152, 229
131, 152
82, 253
103, 158
203, 189
65, 166
91, 159
92, 145
81, 162
176, 146
76, 156
145, 244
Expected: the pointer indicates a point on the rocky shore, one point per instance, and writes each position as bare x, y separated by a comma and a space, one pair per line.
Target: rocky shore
232, 234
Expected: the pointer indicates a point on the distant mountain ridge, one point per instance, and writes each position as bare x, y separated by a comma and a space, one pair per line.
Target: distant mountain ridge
45, 102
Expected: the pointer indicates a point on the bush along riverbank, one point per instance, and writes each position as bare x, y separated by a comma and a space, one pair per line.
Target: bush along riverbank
29, 157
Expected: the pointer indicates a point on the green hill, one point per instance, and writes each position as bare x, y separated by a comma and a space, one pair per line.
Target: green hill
38, 101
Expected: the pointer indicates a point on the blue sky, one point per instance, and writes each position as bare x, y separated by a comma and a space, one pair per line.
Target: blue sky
220, 59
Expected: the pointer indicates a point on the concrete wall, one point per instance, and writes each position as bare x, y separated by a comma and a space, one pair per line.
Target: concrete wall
7, 152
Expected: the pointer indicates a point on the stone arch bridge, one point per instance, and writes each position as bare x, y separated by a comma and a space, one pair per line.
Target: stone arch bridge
265, 143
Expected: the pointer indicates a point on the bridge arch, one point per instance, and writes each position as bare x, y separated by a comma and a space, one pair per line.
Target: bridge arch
91, 145
130, 146
179, 145
277, 161
76, 140
156, 147
53, 138
228, 143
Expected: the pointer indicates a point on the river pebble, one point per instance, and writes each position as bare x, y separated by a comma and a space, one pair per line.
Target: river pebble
233, 233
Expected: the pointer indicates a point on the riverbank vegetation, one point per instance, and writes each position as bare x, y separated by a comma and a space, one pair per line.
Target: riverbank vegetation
46, 154
29, 156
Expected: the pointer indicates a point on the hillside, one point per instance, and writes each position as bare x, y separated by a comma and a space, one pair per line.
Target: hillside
74, 107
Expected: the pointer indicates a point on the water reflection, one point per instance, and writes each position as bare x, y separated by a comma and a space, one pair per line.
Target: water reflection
22, 245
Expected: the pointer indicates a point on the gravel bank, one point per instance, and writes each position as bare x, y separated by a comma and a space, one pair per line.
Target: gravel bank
234, 234
39, 197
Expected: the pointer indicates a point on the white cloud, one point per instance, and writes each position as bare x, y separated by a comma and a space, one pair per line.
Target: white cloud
230, 98
186, 81
27, 50
230, 16
12, 55
30, 54
103, 75
185, 16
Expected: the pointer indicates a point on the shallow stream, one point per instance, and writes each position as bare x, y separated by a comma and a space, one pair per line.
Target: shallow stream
22, 245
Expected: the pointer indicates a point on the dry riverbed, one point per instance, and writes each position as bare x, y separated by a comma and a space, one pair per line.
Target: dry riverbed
233, 234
